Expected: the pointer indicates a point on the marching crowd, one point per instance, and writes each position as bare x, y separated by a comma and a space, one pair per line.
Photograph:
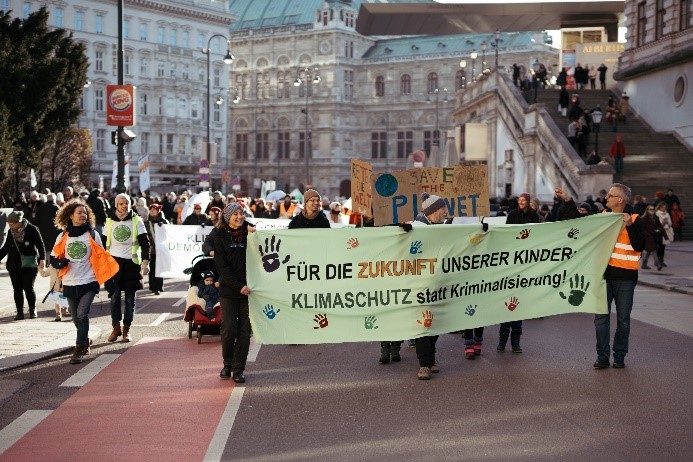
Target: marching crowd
89, 240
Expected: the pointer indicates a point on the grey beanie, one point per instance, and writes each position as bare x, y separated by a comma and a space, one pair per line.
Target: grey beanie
15, 216
230, 209
431, 203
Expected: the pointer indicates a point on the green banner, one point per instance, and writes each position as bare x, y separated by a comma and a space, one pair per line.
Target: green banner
368, 284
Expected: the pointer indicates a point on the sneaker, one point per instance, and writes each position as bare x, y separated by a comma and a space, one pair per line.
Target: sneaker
469, 353
618, 365
517, 349
601, 364
645, 267
424, 373
225, 373
384, 359
238, 377
396, 358
434, 368
411, 343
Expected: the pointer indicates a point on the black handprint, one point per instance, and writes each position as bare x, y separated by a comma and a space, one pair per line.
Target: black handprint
524, 234
270, 261
572, 234
578, 288
470, 310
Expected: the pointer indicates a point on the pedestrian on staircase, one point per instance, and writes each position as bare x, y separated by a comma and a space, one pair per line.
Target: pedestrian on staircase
618, 152
128, 242
82, 264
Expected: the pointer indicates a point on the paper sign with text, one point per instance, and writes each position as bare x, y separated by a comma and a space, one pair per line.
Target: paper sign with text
361, 173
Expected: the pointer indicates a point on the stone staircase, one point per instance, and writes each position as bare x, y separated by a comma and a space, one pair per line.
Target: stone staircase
654, 161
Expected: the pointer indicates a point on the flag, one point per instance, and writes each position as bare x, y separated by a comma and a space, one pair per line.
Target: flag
32, 179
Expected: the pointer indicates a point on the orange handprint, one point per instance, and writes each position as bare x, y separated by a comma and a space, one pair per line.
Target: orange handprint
353, 243
512, 303
427, 318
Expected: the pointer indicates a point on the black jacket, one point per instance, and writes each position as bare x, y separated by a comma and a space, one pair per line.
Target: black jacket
300, 221
99, 206
518, 217
229, 260
32, 245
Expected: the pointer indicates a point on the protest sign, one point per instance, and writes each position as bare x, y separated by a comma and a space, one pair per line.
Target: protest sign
368, 284
361, 173
176, 246
396, 196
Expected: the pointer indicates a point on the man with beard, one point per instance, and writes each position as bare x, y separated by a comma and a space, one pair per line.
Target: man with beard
312, 215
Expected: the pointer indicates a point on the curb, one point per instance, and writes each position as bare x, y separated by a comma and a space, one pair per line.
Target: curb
658, 285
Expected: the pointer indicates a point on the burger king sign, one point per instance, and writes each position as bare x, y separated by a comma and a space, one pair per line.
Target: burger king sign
121, 105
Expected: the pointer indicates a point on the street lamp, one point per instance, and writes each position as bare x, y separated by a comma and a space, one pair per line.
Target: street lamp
463, 65
483, 56
496, 37
597, 119
308, 75
436, 134
535, 79
228, 59
473, 55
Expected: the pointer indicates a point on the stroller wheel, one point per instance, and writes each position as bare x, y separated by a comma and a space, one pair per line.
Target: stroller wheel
190, 329
199, 336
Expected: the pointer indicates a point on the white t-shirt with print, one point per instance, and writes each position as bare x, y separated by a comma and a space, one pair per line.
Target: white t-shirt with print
78, 251
121, 237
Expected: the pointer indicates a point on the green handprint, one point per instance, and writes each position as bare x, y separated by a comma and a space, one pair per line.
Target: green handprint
369, 322
578, 288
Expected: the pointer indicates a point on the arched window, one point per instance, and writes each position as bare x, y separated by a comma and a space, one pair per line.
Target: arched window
405, 85
460, 79
432, 83
380, 86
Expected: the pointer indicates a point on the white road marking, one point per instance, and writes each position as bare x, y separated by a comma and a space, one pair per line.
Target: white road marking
88, 372
253, 351
20, 427
216, 447
162, 317
179, 302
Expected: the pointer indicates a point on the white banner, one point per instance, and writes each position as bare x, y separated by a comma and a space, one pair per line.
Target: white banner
176, 246
143, 169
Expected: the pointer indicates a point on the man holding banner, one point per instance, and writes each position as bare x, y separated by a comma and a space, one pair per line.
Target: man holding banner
621, 275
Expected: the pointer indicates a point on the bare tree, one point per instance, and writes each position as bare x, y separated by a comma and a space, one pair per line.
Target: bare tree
68, 160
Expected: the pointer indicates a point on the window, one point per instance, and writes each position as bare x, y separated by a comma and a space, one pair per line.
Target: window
429, 140
217, 112
143, 32
200, 41
58, 17
432, 83
185, 72
378, 145
160, 35
144, 67
660, 22
126, 28
98, 99
169, 143
79, 21
98, 60
181, 145
144, 143
161, 143
349, 49
195, 109
283, 84
100, 140
405, 144
380, 86
173, 70
642, 24
348, 84
460, 79
262, 145
99, 24
143, 103
216, 45
193, 145
302, 144
185, 39
217, 77
182, 108
160, 70
325, 18
173, 37
405, 85
127, 57
686, 14
349, 19
241, 146
283, 145
170, 107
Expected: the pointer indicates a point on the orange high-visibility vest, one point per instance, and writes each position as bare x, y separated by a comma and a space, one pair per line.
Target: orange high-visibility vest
284, 211
623, 255
102, 262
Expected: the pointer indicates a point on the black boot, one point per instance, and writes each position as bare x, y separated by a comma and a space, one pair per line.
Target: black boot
503, 339
20, 314
384, 352
32, 313
394, 351
515, 341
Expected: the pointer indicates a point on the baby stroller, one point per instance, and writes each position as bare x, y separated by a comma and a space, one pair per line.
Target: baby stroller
195, 314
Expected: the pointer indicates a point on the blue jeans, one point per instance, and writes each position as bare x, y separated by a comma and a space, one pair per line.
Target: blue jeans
622, 293
79, 311
116, 313
618, 163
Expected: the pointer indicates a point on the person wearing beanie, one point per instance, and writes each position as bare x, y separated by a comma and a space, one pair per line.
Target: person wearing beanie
285, 208
433, 211
229, 259
215, 216
127, 240
335, 212
217, 201
261, 211
197, 217
155, 219
522, 215
23, 240
312, 216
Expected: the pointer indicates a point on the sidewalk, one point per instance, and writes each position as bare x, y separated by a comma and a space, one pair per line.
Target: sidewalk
31, 340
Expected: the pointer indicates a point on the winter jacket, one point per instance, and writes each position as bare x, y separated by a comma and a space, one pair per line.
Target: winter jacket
301, 221
32, 245
229, 260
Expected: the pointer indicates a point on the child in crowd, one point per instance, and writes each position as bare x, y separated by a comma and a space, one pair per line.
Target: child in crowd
208, 291
57, 287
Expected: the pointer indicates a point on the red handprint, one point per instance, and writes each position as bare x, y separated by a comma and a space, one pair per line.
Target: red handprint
524, 234
353, 243
512, 303
427, 318
321, 319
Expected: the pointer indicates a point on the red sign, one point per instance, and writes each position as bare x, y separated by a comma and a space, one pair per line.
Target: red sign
120, 110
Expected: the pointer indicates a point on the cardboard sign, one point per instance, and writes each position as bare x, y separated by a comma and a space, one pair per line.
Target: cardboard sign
396, 196
120, 110
361, 196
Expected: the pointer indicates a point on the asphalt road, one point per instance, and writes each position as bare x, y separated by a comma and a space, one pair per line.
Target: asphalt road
335, 402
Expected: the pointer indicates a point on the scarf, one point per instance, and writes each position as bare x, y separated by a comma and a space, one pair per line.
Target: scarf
75, 231
18, 234
124, 215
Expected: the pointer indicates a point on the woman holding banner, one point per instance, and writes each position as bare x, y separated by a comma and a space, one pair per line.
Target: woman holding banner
155, 217
229, 259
